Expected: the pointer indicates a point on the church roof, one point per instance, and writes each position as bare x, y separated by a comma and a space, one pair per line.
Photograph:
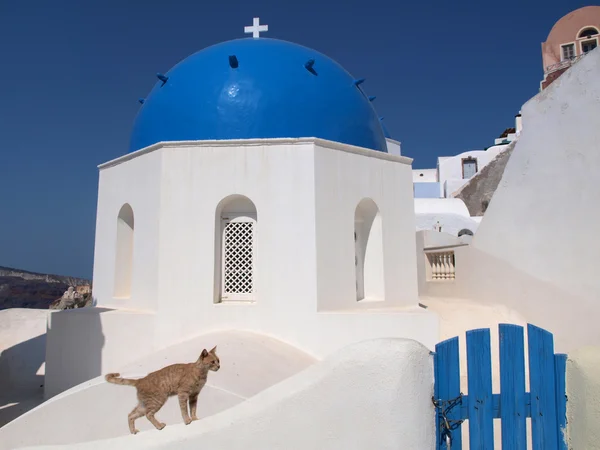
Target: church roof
257, 88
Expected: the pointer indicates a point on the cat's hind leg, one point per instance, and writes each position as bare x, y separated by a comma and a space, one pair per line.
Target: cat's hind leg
193, 405
137, 412
152, 408
183, 405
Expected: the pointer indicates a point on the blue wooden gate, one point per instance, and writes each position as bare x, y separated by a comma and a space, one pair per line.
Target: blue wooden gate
546, 403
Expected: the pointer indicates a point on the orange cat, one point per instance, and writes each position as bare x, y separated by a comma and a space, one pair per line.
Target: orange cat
184, 380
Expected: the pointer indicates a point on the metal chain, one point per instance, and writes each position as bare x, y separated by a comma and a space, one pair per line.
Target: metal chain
447, 425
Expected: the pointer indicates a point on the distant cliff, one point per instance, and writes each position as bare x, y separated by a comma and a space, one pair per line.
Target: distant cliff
24, 289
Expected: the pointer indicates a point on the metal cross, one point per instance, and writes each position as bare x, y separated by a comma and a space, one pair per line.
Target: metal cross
256, 28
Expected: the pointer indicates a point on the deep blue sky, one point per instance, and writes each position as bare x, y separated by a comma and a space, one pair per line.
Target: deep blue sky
448, 76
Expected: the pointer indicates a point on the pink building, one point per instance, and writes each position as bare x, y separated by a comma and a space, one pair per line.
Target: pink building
570, 38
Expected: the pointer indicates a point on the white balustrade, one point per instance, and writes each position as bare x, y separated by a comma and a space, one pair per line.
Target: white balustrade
442, 265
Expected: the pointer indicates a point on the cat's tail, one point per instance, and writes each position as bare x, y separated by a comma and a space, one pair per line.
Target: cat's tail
116, 379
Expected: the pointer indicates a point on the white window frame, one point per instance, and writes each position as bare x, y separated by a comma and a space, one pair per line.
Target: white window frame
562, 55
585, 41
469, 159
229, 297
585, 28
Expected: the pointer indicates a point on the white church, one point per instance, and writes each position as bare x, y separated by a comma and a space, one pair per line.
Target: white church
263, 208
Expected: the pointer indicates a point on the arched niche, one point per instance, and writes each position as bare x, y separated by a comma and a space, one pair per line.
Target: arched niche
124, 252
368, 242
236, 222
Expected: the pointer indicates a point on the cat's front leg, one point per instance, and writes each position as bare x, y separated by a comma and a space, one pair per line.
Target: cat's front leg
183, 405
193, 405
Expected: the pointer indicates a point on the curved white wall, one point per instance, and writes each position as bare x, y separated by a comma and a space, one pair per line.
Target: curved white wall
371, 395
250, 363
450, 223
22, 360
22, 349
441, 206
542, 221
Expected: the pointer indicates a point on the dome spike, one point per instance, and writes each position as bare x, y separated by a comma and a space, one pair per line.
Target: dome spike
309, 66
359, 81
162, 78
233, 62
372, 97
141, 100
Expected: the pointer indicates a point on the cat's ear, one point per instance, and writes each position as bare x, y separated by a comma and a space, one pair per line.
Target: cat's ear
213, 350
204, 354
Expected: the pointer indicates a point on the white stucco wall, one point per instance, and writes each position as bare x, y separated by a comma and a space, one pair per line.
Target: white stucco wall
250, 363
342, 181
451, 213
305, 192
86, 342
424, 175
583, 392
450, 223
22, 349
441, 206
450, 168
393, 147
22, 360
549, 241
138, 184
371, 395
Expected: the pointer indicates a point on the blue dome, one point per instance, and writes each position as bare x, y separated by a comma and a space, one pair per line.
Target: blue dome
257, 88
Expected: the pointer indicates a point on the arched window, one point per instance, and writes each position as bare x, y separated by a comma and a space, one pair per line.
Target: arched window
368, 258
588, 32
465, 231
124, 252
235, 252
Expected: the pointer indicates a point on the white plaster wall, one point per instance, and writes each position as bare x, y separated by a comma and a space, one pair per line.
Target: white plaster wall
137, 183
424, 175
551, 239
450, 168
86, 342
391, 384
393, 147
450, 223
22, 350
278, 179
441, 206
342, 181
22, 360
583, 392
290, 181
250, 363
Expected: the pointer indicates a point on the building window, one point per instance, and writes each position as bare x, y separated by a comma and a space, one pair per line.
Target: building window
469, 167
588, 32
235, 252
588, 46
238, 259
568, 51
124, 252
368, 251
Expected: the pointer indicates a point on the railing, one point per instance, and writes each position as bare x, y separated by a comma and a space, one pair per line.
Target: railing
563, 64
442, 265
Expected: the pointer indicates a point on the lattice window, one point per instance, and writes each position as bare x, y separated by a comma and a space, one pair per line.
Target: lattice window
238, 261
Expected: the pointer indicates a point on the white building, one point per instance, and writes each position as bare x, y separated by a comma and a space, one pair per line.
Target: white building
286, 237
453, 172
